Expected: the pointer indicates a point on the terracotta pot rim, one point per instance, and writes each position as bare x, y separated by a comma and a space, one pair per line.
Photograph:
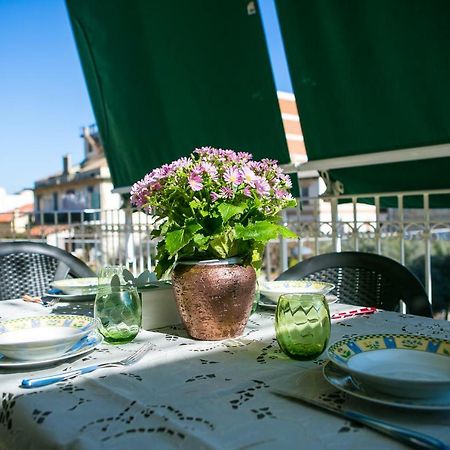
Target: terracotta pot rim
211, 262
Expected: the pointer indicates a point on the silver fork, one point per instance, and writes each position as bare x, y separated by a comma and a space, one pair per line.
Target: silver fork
30, 383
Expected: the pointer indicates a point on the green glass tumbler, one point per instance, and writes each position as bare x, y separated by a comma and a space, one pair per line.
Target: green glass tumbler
118, 310
302, 325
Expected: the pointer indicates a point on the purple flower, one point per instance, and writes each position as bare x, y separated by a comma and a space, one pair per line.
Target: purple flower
262, 186
287, 180
280, 194
248, 175
244, 156
232, 175
195, 182
209, 169
247, 192
180, 163
221, 175
139, 193
226, 192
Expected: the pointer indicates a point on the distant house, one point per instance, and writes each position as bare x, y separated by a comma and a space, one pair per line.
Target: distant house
67, 196
15, 222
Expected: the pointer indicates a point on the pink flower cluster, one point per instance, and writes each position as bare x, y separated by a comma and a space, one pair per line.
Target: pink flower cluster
213, 174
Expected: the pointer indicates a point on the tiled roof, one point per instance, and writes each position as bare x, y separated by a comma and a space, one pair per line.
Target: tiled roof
8, 216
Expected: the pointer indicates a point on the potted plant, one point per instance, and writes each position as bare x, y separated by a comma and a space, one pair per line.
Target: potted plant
217, 210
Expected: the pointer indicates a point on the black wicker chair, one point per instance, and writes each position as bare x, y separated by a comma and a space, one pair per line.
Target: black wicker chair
365, 279
30, 267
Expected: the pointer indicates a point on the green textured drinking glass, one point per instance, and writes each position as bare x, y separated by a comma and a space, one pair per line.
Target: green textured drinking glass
118, 309
302, 325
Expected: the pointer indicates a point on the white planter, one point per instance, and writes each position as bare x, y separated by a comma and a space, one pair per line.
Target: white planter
158, 307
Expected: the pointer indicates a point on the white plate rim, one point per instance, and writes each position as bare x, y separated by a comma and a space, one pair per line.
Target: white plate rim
378, 397
6, 363
72, 297
67, 281
343, 364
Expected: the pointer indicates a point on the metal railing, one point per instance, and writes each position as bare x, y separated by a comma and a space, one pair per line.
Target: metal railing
419, 238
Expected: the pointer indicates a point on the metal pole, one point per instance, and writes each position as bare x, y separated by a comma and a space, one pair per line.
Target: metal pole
283, 247
427, 241
378, 226
335, 242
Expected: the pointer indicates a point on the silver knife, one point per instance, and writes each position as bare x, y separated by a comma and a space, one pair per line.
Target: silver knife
413, 438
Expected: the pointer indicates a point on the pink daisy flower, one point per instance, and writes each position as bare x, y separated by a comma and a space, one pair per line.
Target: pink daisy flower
262, 186
226, 192
195, 182
247, 192
247, 175
233, 175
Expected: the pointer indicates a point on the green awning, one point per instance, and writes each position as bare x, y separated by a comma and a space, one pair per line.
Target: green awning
165, 77
372, 76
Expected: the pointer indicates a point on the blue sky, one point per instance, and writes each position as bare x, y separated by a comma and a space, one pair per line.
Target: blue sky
43, 96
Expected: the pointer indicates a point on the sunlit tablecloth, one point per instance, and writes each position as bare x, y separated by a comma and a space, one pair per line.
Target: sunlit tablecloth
197, 395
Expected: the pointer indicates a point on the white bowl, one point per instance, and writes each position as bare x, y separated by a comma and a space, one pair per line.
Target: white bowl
38, 338
77, 286
273, 289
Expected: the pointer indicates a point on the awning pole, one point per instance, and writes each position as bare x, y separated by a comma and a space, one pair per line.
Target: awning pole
427, 240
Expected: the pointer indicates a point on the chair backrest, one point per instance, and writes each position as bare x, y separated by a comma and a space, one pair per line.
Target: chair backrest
30, 267
365, 279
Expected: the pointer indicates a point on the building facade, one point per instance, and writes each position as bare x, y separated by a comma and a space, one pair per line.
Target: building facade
80, 187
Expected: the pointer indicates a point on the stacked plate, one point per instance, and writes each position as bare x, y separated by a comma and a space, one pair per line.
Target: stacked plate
75, 289
393, 369
272, 290
40, 340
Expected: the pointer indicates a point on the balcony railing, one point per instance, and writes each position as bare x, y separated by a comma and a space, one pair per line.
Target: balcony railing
418, 238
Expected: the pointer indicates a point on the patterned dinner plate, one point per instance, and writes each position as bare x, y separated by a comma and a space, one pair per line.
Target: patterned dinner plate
343, 381
41, 337
273, 289
401, 365
80, 348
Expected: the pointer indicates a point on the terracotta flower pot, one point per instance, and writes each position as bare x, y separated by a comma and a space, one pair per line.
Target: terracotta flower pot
214, 298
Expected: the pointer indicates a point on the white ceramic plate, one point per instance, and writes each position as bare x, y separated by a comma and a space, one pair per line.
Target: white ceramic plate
42, 337
266, 303
85, 345
343, 381
273, 289
396, 364
72, 297
77, 286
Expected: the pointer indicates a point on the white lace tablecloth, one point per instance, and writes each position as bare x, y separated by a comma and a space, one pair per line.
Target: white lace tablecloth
199, 395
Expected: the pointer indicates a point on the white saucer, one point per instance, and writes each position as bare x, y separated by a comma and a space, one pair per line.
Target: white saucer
344, 382
267, 303
73, 297
80, 348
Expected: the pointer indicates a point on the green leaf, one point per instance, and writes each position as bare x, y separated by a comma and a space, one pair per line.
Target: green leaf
201, 241
262, 231
286, 232
221, 245
227, 211
177, 239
